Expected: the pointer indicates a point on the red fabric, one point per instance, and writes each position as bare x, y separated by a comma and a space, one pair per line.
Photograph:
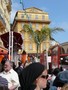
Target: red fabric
1, 58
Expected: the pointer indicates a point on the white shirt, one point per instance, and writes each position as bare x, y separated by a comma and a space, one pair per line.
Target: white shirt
36, 59
11, 77
53, 78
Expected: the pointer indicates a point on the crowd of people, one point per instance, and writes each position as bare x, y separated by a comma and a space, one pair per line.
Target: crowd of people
31, 76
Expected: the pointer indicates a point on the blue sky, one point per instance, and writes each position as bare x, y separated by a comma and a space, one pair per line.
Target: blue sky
57, 10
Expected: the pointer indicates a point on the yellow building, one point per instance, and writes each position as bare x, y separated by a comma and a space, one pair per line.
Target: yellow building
35, 17
5, 8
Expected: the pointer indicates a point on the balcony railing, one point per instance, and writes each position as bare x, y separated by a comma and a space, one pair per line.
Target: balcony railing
33, 20
8, 4
8, 1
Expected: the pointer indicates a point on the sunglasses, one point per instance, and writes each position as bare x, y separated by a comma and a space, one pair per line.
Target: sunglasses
44, 76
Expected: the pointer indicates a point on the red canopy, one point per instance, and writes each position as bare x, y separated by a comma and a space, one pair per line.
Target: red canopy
17, 39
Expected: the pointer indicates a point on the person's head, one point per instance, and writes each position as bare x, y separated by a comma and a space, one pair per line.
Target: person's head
24, 52
33, 75
41, 81
65, 87
7, 66
56, 71
61, 79
3, 61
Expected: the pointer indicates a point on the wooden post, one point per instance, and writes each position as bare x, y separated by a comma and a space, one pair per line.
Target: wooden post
59, 51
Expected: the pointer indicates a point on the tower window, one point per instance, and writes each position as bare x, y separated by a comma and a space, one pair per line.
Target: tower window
43, 17
22, 16
36, 17
30, 46
37, 26
22, 25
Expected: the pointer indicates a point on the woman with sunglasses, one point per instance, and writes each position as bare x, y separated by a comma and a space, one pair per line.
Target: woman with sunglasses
33, 77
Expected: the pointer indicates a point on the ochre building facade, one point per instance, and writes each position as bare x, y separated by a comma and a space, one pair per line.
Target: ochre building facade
5, 8
35, 17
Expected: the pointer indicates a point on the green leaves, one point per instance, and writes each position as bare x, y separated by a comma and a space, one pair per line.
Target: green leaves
40, 35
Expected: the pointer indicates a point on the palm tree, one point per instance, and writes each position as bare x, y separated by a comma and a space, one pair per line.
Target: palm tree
40, 36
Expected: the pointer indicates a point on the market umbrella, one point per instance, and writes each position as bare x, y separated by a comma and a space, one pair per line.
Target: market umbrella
17, 39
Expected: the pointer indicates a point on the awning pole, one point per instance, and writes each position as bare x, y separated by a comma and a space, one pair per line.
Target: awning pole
9, 44
12, 45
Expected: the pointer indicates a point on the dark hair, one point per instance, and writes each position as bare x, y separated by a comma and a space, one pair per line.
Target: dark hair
58, 83
29, 75
61, 79
24, 52
56, 71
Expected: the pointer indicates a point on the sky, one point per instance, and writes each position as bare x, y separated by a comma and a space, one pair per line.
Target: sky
57, 10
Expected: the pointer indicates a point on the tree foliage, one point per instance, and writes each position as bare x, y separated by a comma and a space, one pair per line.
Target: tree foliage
40, 35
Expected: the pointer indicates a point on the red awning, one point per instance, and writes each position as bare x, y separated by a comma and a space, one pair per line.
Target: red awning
17, 39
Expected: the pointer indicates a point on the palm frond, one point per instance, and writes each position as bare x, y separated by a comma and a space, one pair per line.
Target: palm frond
56, 29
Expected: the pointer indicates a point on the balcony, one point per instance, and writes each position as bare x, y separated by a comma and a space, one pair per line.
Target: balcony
2, 23
32, 20
8, 4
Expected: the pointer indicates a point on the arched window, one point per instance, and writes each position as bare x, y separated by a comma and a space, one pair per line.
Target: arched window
43, 17
30, 46
22, 25
67, 51
30, 36
62, 51
36, 17
37, 26
22, 16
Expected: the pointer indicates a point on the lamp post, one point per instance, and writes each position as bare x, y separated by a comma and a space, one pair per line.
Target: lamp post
11, 45
21, 1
